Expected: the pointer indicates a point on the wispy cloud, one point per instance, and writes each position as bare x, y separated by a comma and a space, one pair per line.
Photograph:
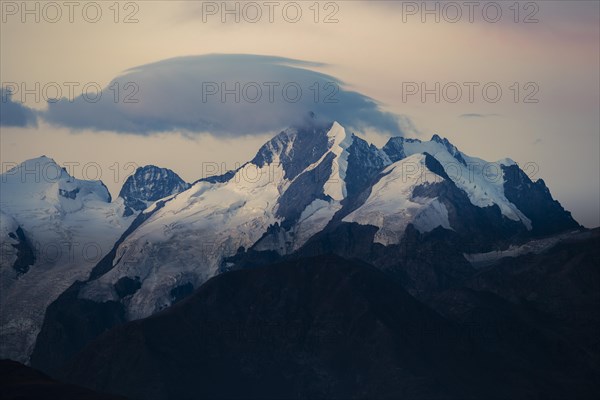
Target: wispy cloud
477, 115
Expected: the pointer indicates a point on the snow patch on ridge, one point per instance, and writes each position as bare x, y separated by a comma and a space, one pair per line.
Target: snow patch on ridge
391, 206
481, 260
335, 187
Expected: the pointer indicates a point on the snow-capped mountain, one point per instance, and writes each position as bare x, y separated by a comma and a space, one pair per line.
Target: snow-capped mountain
315, 183
55, 228
304, 181
296, 180
149, 184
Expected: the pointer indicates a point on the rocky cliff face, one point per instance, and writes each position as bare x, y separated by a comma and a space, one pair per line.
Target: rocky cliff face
149, 184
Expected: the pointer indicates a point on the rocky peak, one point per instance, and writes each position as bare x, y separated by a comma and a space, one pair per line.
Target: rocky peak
148, 184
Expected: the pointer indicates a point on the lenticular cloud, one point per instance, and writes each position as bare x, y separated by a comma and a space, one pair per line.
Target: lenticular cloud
225, 95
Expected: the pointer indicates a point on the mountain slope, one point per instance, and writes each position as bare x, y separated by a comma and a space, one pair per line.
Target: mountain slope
482, 181
544, 305
16, 250
18, 382
316, 328
324, 327
296, 182
54, 230
60, 227
534, 199
391, 205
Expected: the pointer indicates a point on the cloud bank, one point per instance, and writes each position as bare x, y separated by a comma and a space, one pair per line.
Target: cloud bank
15, 114
225, 95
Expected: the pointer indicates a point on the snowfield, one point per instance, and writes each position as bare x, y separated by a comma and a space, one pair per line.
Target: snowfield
71, 224
482, 260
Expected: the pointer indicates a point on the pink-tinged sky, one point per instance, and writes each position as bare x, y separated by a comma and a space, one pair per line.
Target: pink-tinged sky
377, 49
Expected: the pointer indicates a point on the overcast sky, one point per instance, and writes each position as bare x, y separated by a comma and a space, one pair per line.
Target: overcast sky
165, 69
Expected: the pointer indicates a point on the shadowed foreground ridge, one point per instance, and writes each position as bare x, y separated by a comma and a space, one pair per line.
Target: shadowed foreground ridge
320, 327
316, 328
18, 382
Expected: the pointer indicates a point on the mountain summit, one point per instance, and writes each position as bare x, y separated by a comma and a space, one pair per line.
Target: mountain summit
149, 184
